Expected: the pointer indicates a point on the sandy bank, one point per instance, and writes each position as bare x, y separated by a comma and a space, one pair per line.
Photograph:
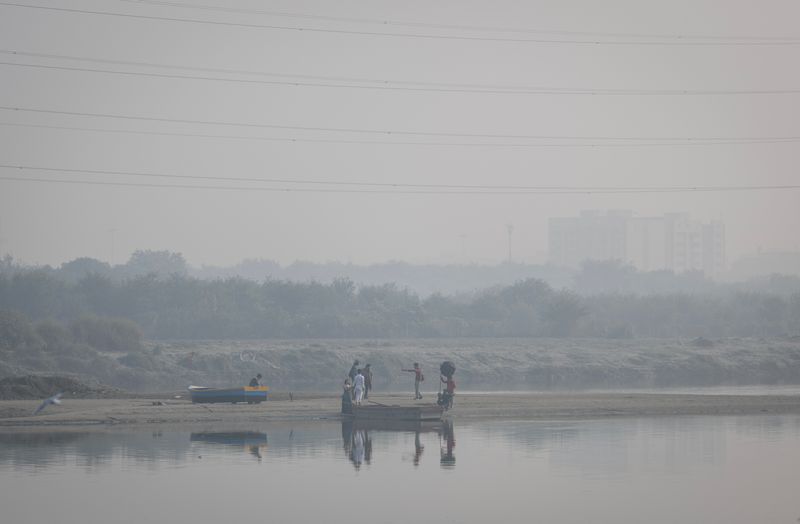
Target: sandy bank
168, 410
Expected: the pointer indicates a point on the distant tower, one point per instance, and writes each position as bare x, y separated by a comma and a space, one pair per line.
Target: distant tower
510, 229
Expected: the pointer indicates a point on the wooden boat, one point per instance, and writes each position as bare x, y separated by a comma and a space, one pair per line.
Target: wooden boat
249, 394
385, 412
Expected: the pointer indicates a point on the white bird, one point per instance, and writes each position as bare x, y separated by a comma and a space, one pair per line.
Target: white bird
55, 399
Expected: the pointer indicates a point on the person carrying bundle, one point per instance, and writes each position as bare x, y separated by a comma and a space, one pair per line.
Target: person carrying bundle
447, 370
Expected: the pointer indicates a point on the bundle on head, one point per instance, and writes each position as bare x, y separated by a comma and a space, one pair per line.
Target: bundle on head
447, 368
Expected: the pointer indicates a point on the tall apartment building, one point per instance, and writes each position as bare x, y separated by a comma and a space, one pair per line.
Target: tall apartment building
673, 241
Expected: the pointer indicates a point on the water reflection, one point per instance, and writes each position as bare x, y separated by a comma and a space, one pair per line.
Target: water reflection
254, 442
357, 438
721, 469
447, 458
592, 447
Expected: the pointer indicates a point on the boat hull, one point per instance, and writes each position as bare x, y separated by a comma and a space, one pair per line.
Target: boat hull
251, 395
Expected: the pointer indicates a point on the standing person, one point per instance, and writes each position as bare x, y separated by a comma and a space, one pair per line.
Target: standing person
367, 381
358, 387
449, 391
255, 382
347, 398
352, 376
418, 377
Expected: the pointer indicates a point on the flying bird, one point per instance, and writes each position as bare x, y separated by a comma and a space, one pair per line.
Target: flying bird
55, 399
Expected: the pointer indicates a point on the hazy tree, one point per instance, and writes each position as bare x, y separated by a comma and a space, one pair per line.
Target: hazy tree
16, 332
562, 313
77, 269
160, 263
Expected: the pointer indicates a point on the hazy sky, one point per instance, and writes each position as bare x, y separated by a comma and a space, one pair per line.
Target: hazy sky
53, 222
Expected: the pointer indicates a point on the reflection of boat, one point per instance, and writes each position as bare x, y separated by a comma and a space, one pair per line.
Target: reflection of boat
231, 438
251, 395
378, 424
251, 441
405, 413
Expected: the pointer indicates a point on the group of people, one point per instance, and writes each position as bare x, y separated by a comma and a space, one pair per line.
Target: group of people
358, 383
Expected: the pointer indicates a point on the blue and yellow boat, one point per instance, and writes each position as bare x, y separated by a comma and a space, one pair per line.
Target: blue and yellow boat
249, 394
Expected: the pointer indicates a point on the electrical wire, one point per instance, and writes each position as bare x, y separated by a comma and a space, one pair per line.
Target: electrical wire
427, 25
676, 140
381, 85
396, 143
429, 36
385, 187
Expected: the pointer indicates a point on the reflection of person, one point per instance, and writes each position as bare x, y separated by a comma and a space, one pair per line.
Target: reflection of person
367, 381
347, 435
418, 377
357, 454
447, 458
418, 449
367, 447
255, 382
358, 385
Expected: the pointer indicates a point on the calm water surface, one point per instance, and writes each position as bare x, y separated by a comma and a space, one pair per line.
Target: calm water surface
676, 470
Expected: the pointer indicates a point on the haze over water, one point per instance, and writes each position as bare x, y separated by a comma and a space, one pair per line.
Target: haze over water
686, 469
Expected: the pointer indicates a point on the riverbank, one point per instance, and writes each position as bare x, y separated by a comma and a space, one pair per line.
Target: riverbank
162, 410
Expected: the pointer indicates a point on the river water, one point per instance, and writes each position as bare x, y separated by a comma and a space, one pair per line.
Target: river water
621, 470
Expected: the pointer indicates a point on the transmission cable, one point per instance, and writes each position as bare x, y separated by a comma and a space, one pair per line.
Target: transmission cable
384, 85
428, 25
407, 35
397, 143
396, 132
400, 188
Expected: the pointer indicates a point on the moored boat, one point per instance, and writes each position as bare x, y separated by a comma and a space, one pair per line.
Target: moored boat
249, 394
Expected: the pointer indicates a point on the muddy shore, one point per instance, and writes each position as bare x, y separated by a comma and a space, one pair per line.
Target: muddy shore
167, 410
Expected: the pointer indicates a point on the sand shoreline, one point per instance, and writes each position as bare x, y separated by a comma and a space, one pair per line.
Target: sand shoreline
166, 410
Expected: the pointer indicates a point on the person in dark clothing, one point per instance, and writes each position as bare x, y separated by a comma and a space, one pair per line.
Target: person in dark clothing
347, 399
367, 372
353, 371
256, 382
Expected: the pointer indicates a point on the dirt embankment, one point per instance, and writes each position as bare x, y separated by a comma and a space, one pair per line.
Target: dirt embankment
38, 387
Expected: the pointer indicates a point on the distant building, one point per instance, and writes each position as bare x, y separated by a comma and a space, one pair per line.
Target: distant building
673, 241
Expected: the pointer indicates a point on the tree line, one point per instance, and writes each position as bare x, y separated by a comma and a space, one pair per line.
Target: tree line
181, 307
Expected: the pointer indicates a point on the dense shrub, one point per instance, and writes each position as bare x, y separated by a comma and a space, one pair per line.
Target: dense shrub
108, 334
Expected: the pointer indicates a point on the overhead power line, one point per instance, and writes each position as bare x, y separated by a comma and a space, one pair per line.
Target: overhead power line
473, 28
372, 84
405, 185
426, 36
379, 191
495, 145
390, 133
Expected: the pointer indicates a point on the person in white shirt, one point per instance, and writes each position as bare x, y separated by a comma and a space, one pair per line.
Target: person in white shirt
358, 386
